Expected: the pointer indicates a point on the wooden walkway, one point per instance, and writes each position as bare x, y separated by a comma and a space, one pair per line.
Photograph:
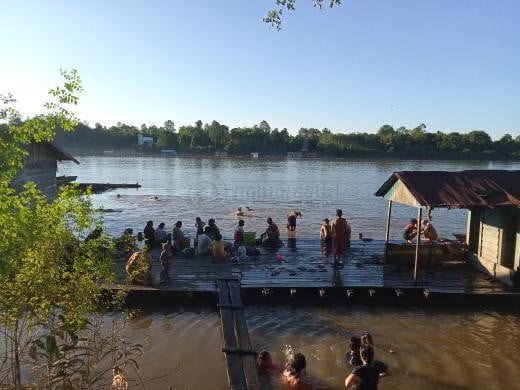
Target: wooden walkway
303, 265
240, 356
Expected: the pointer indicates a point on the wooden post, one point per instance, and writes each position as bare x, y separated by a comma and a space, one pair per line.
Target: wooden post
387, 233
418, 242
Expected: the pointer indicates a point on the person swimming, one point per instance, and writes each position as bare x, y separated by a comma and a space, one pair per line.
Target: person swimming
352, 356
366, 375
240, 212
293, 374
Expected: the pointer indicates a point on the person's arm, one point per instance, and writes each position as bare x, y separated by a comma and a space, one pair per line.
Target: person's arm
385, 373
349, 381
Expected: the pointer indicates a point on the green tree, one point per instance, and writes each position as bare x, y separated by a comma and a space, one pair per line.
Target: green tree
51, 277
217, 133
169, 125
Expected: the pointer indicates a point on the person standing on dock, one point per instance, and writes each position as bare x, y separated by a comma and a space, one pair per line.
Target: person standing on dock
339, 235
149, 235
199, 225
239, 235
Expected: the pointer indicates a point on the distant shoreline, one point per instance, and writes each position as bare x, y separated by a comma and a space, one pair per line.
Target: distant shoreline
355, 155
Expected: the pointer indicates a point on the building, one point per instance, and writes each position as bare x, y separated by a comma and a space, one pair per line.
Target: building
492, 198
144, 139
41, 166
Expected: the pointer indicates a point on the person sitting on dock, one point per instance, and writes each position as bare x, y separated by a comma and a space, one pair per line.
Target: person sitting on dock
339, 236
166, 260
366, 375
139, 267
214, 230
429, 232
410, 231
219, 248
238, 237
204, 243
180, 241
272, 233
160, 234
149, 235
291, 220
293, 374
325, 232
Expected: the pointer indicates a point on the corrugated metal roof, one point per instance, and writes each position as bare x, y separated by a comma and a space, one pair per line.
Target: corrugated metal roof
479, 188
61, 155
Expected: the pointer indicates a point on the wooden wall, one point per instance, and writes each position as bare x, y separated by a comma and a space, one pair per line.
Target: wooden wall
487, 237
40, 167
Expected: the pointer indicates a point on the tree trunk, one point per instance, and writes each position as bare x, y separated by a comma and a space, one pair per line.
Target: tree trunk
17, 377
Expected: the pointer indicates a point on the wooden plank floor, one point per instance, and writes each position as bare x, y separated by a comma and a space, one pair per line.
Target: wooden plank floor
304, 264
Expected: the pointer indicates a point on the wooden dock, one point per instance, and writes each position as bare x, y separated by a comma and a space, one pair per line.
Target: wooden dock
302, 270
240, 356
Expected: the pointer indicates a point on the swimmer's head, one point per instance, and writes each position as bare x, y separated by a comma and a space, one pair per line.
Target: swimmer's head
178, 224
264, 360
298, 364
366, 339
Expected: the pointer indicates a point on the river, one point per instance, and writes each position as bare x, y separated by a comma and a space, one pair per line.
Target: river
434, 349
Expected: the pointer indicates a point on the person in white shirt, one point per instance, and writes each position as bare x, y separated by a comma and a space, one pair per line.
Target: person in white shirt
204, 243
160, 234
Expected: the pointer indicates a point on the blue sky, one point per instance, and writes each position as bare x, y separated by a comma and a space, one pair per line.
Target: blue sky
452, 64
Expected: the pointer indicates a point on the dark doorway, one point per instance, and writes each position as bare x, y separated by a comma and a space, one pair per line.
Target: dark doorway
509, 241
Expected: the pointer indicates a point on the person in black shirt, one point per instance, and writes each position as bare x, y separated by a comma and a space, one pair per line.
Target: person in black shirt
149, 235
367, 375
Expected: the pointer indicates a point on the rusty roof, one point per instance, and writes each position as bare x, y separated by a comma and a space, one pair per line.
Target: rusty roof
463, 189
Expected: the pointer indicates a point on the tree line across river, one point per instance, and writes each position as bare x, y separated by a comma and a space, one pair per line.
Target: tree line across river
210, 137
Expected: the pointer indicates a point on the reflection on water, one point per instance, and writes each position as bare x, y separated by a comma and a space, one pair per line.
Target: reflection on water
433, 350
212, 187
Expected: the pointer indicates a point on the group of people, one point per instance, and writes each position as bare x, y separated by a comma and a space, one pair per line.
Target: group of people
427, 231
365, 375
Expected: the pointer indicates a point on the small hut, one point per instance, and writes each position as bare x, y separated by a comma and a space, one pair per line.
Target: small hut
40, 167
492, 198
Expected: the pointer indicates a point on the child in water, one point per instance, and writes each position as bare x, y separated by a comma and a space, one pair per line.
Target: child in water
293, 374
352, 356
325, 232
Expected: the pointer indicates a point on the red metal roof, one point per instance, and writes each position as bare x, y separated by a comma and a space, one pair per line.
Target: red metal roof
463, 189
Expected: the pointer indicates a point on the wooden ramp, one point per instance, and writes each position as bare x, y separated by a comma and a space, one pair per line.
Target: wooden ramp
240, 356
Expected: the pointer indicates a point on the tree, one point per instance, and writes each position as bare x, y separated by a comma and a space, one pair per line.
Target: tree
169, 126
217, 133
51, 277
274, 17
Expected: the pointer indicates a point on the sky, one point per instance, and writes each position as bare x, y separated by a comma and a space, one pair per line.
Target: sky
451, 64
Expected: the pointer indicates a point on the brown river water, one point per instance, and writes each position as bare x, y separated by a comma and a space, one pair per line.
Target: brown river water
434, 349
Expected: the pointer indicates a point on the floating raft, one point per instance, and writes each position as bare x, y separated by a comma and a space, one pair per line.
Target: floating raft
102, 187
306, 275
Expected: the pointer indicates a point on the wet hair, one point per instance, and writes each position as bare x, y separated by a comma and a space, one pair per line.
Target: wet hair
241, 222
161, 225
339, 212
326, 220
262, 360
366, 339
355, 343
413, 221
298, 364
207, 230
367, 354
178, 223
149, 223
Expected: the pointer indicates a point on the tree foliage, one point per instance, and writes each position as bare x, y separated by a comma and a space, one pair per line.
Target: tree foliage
274, 16
51, 276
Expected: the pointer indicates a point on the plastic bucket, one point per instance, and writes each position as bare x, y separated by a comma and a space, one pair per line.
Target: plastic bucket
249, 238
